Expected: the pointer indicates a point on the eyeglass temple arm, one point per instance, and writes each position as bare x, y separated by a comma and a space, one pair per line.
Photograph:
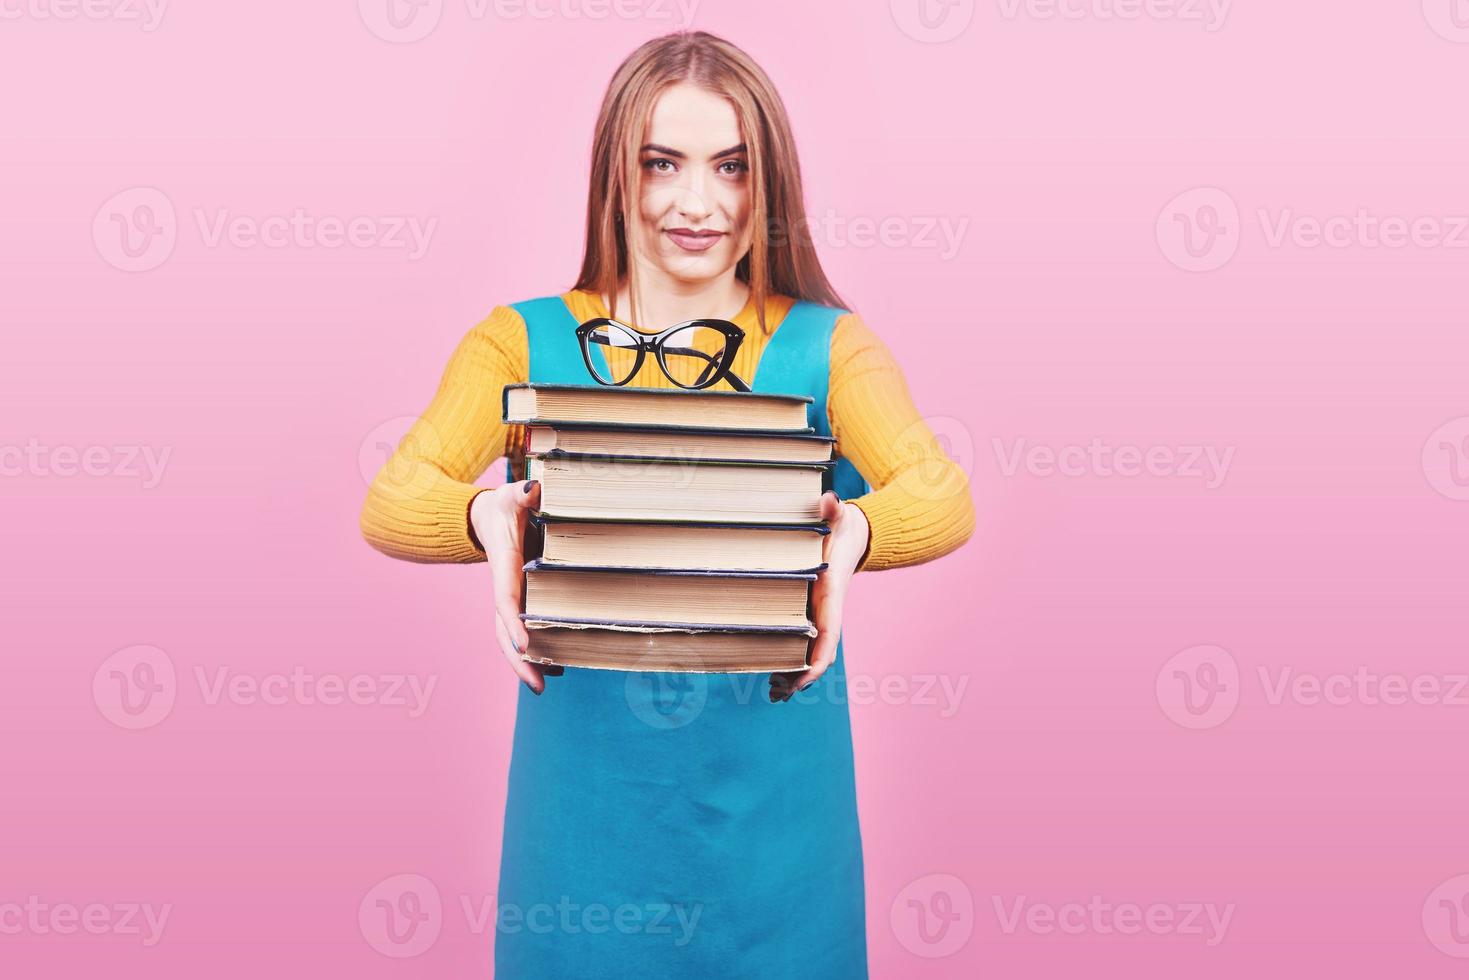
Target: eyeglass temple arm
734, 379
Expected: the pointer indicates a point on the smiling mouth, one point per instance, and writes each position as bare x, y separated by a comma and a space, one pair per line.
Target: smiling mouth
693, 241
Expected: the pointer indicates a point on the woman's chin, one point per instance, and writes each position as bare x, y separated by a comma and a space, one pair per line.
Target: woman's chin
692, 268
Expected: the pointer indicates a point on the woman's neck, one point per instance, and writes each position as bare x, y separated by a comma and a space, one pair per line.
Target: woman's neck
662, 302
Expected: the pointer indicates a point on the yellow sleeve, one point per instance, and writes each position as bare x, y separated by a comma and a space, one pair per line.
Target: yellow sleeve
919, 508
418, 505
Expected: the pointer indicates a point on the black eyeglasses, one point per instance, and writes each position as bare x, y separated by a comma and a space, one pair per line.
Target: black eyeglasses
694, 354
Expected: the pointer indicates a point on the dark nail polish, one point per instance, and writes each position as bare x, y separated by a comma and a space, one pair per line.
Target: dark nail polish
530, 689
553, 670
805, 685
531, 485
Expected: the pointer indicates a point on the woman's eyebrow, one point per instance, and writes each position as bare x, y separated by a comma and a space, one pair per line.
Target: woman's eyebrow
670, 151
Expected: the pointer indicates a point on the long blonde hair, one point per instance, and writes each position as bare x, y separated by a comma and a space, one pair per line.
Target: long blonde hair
782, 258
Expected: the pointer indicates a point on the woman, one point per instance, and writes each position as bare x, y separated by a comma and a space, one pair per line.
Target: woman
726, 844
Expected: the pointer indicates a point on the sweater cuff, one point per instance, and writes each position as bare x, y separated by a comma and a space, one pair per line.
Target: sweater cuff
452, 532
434, 529
884, 523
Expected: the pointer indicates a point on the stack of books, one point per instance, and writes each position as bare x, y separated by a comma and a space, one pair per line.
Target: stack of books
678, 530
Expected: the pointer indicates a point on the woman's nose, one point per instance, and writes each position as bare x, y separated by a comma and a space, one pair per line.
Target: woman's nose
693, 200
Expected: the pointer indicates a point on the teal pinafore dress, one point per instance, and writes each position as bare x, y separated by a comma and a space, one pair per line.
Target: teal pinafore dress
675, 825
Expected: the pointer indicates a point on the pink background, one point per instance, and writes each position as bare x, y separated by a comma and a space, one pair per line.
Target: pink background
1078, 761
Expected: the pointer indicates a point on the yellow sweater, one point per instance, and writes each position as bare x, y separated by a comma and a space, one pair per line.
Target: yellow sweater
418, 505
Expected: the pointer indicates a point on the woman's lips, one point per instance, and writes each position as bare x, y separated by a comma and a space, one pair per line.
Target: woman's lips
694, 241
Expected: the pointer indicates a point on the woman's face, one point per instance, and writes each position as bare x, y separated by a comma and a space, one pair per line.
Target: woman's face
693, 221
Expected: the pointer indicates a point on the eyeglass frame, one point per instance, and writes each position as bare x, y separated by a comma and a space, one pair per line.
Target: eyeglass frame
734, 337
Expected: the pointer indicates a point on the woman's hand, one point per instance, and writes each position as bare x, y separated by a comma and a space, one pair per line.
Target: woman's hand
499, 518
842, 551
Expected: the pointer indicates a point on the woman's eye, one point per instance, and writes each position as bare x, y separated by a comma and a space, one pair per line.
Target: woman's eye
733, 167
656, 165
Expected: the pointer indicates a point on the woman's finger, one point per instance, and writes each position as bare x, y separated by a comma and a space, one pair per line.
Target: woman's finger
506, 557
826, 602
528, 672
827, 593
